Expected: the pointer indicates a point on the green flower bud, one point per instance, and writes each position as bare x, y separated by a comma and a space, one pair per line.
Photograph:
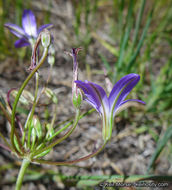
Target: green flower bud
50, 94
33, 137
45, 38
37, 126
77, 98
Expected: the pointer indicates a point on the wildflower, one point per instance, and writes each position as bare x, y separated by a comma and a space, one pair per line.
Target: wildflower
28, 33
109, 106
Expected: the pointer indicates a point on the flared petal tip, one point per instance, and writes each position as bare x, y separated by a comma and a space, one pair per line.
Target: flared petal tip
21, 43
16, 30
29, 23
45, 26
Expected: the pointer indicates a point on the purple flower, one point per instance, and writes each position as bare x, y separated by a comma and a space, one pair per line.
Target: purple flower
28, 33
109, 106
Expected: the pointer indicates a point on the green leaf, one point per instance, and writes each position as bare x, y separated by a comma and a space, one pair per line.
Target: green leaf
86, 183
107, 45
160, 146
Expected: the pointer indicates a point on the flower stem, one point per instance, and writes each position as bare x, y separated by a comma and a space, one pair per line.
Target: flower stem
94, 153
30, 117
37, 152
23, 168
20, 92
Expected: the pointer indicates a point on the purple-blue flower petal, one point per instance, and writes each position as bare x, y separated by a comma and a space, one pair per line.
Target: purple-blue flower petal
123, 105
131, 100
29, 23
21, 43
48, 26
126, 90
16, 30
95, 95
120, 86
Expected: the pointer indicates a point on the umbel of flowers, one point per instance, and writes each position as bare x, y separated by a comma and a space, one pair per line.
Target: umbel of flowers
32, 140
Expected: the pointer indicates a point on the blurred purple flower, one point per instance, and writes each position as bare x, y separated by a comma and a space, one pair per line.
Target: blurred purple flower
109, 106
28, 33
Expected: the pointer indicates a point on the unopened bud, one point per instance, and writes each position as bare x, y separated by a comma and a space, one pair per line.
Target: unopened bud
51, 55
45, 38
50, 94
77, 98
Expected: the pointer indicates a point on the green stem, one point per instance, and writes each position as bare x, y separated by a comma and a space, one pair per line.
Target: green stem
37, 152
140, 43
5, 141
52, 122
125, 36
20, 92
138, 22
69, 124
6, 114
29, 119
71, 120
23, 168
9, 120
94, 153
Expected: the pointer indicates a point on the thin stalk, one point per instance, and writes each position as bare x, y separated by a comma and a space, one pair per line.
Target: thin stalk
5, 141
37, 152
59, 131
16, 134
80, 117
133, 58
52, 121
138, 22
48, 79
121, 8
20, 92
29, 119
9, 120
125, 36
5, 112
70, 123
23, 168
17, 118
5, 147
94, 153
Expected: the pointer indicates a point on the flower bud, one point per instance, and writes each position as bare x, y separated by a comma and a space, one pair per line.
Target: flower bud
77, 98
45, 38
51, 55
50, 94
38, 128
